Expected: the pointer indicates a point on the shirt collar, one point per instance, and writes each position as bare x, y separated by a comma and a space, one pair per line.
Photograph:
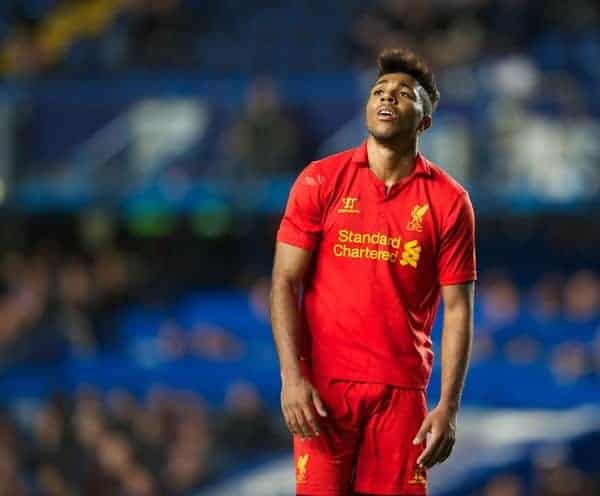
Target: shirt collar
361, 159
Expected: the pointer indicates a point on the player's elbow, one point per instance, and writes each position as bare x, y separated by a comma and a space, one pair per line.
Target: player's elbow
284, 290
283, 282
459, 319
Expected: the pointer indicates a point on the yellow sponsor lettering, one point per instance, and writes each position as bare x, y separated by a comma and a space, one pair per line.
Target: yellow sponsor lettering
343, 250
356, 237
377, 238
386, 248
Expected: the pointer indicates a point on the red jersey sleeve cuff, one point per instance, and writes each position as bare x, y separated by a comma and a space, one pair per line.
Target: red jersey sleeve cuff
292, 236
458, 278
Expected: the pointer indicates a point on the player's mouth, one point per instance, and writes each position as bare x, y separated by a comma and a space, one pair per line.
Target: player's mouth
386, 114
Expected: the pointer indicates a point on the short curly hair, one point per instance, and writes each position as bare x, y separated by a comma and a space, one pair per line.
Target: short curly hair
406, 61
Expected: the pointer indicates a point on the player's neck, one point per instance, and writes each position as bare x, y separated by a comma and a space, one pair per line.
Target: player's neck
391, 162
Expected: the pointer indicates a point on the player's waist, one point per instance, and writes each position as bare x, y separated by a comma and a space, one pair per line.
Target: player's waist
408, 369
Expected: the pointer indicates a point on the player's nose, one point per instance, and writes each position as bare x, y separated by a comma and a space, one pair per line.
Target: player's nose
387, 98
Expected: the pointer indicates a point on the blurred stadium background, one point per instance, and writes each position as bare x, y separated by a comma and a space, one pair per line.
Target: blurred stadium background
147, 148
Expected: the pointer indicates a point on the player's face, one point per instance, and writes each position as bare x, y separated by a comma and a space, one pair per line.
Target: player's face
395, 108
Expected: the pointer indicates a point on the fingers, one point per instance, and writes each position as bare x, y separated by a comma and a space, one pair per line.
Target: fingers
301, 420
300, 404
430, 451
444, 454
437, 451
302, 430
432, 459
318, 403
423, 430
311, 426
291, 421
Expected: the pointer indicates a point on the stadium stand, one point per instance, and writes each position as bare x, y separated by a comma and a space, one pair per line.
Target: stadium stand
140, 192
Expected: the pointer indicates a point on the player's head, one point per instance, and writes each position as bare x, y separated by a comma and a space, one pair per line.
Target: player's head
403, 97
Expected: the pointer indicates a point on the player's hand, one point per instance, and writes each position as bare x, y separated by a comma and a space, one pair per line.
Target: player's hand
441, 424
300, 404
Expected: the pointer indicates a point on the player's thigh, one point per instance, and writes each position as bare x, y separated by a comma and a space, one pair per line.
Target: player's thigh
322, 469
325, 463
387, 459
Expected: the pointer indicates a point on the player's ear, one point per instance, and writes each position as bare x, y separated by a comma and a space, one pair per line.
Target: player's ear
425, 123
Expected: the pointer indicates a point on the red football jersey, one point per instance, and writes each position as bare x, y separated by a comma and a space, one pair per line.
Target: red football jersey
380, 257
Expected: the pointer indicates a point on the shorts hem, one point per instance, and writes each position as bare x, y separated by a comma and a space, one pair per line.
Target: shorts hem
388, 492
307, 492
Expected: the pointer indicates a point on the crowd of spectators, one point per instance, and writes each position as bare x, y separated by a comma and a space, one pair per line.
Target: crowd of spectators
51, 303
556, 323
97, 443
55, 305
67, 284
512, 59
69, 36
552, 472
522, 70
457, 33
170, 441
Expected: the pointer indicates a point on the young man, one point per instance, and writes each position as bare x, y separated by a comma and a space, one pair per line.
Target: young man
373, 236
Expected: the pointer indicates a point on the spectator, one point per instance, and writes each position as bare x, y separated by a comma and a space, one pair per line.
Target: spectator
159, 34
570, 362
546, 298
444, 38
504, 485
500, 303
260, 292
22, 57
264, 140
582, 299
554, 475
247, 427
138, 481
75, 301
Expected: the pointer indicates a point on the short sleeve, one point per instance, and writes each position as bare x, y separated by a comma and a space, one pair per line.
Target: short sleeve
456, 259
301, 224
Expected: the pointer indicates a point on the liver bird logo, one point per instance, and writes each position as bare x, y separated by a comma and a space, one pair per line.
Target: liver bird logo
417, 213
419, 476
301, 468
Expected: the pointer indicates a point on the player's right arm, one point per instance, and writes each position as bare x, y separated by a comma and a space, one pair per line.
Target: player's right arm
297, 240
299, 399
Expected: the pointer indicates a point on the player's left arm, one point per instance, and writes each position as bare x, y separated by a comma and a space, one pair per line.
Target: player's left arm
456, 266
457, 335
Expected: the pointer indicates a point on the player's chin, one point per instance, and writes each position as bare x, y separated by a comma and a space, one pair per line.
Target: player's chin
384, 133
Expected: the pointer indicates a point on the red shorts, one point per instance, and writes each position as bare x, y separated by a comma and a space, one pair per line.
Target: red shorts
365, 443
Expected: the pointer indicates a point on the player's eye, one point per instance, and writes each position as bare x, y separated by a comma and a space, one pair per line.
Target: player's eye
378, 92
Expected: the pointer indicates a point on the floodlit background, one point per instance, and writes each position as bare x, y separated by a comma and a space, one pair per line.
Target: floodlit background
146, 152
